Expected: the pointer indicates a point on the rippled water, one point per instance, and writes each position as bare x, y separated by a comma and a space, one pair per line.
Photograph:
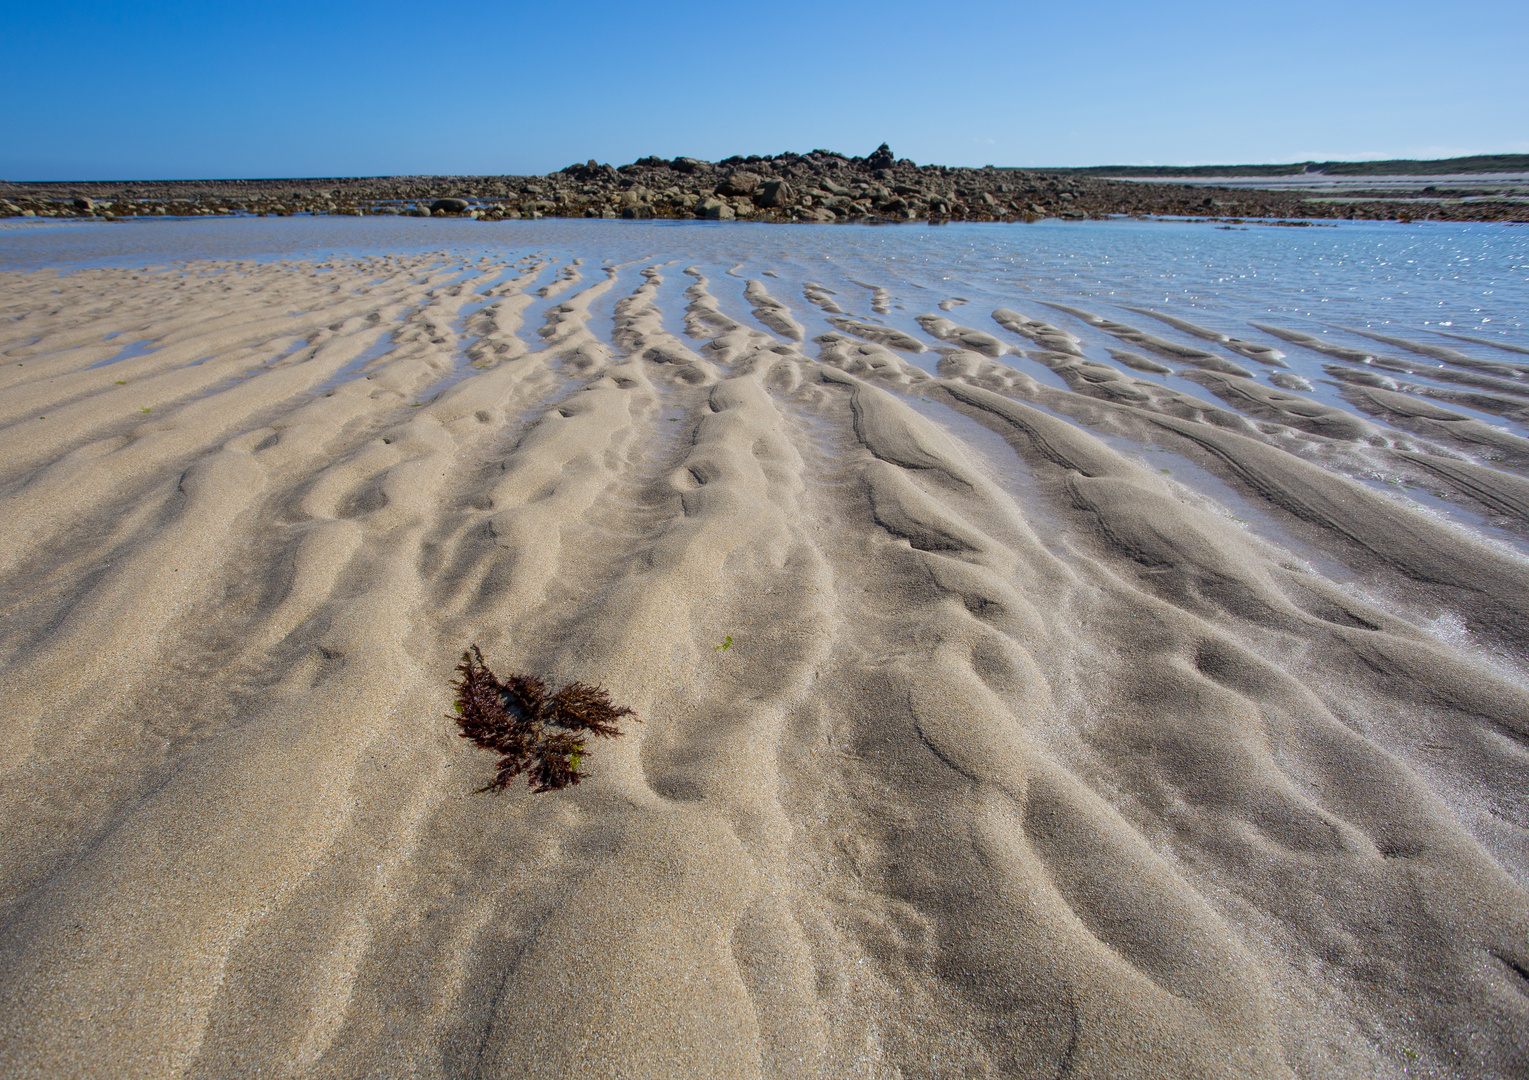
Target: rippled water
1431, 283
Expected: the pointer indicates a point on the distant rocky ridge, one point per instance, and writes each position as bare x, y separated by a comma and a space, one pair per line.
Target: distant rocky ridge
821, 186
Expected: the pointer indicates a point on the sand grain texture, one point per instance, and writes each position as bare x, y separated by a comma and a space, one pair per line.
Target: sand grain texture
1024, 759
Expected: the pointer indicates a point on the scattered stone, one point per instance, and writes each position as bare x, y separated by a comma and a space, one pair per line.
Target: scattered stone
819, 186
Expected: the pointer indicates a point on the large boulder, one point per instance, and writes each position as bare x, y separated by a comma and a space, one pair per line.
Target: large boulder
739, 182
686, 165
881, 158
774, 194
82, 203
716, 210
450, 206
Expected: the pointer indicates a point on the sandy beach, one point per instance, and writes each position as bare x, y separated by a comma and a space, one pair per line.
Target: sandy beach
971, 740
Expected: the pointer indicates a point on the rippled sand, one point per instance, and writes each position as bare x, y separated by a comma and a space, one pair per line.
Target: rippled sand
1028, 758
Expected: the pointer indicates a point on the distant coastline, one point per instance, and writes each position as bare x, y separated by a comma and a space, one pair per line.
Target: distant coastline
824, 186
1480, 163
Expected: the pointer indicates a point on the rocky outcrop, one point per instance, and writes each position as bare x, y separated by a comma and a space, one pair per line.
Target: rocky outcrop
881, 158
820, 186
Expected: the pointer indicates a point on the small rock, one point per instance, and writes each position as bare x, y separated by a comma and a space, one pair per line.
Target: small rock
641, 211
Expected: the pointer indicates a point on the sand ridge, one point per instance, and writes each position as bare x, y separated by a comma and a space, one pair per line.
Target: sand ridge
1024, 757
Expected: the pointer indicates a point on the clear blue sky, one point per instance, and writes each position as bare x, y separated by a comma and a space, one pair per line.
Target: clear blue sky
100, 90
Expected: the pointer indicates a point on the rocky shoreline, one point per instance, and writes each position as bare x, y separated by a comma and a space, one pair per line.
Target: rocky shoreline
821, 186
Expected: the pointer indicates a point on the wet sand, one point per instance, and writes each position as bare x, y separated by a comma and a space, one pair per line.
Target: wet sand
1029, 756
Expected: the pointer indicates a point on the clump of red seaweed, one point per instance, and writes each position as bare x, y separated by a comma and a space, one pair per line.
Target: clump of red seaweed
532, 732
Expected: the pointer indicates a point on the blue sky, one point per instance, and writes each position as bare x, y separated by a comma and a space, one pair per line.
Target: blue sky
174, 90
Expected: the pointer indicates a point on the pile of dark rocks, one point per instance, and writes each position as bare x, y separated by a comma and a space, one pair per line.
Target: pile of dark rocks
821, 186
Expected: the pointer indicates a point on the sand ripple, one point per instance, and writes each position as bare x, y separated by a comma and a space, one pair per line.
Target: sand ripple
1072, 724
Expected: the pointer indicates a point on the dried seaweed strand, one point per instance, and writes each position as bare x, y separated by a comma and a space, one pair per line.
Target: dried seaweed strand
533, 733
